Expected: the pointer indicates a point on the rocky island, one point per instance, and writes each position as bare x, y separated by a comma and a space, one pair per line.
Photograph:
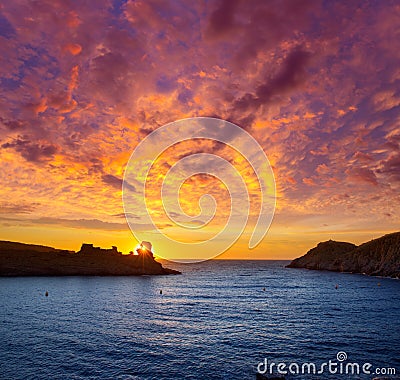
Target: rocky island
378, 257
18, 259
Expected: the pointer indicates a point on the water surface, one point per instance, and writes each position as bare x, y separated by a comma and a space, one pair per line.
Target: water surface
215, 321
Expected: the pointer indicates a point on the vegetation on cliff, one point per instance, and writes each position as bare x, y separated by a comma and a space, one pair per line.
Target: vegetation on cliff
378, 257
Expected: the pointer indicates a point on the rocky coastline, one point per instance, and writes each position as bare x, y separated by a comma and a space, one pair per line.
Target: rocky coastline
378, 257
18, 259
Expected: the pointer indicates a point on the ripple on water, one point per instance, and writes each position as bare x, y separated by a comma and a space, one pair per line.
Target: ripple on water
213, 322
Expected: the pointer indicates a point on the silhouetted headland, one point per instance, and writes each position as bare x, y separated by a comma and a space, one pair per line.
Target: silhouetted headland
18, 259
378, 257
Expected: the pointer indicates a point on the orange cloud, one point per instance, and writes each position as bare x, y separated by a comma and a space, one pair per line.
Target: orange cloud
82, 85
73, 49
309, 181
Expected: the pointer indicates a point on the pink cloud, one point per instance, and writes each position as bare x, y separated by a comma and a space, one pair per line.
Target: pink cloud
362, 175
83, 84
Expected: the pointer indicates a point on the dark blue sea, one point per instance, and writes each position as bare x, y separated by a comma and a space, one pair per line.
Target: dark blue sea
215, 321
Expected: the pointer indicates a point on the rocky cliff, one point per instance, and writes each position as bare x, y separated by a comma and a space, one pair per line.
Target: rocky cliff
378, 257
17, 259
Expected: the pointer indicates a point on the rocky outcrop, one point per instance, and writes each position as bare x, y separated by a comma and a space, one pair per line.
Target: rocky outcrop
17, 259
327, 255
378, 257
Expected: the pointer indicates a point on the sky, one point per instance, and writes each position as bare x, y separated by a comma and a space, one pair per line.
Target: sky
316, 83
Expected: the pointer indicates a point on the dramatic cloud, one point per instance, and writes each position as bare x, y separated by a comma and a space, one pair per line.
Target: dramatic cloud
316, 83
221, 20
32, 151
116, 182
112, 180
17, 208
291, 75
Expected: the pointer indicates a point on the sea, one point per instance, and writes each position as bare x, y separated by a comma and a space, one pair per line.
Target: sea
217, 320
